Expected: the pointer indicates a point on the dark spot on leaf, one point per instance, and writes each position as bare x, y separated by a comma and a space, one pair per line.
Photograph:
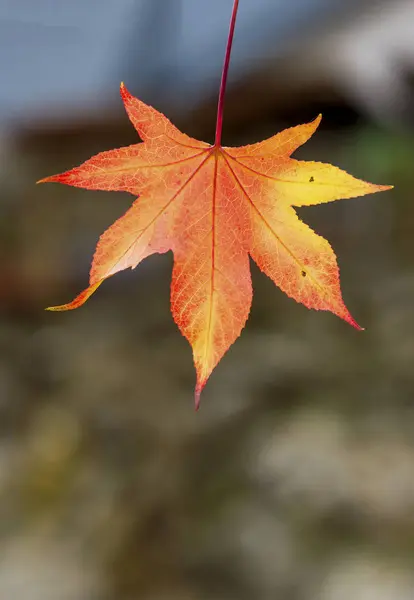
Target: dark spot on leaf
303, 273
311, 180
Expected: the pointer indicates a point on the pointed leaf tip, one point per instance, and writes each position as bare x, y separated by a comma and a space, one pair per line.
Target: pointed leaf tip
50, 179
197, 397
79, 300
196, 402
197, 394
315, 122
124, 92
352, 322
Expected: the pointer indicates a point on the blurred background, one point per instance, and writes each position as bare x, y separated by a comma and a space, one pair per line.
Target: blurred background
295, 481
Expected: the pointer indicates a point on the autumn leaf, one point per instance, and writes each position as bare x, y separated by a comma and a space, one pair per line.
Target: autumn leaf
214, 206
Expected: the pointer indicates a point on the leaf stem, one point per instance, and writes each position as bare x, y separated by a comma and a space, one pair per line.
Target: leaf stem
220, 108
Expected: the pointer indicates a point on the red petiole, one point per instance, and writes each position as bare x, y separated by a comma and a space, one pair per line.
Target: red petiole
220, 108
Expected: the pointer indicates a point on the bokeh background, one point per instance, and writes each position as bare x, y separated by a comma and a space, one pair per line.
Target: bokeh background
295, 481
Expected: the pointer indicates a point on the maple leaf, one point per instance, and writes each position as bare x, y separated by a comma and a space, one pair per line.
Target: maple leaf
214, 206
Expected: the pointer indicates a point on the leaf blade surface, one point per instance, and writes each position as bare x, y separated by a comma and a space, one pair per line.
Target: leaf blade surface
213, 207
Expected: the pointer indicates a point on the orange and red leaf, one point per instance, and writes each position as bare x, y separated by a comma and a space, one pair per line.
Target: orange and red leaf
214, 206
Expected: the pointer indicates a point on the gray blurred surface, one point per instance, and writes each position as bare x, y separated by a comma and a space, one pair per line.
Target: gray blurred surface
63, 53
59, 59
